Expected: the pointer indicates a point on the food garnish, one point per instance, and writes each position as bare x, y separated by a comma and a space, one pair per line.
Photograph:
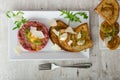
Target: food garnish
18, 18
18, 50
73, 16
56, 47
70, 30
52, 22
63, 36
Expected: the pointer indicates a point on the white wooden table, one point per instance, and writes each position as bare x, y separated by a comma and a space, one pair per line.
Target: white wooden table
106, 64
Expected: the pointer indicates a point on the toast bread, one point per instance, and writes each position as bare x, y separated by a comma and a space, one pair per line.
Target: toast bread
74, 47
60, 25
109, 10
108, 30
113, 43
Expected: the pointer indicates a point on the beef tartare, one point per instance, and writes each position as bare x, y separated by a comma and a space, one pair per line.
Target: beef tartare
33, 36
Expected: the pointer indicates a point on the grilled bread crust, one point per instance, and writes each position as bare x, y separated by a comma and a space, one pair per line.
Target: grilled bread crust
61, 27
109, 10
53, 36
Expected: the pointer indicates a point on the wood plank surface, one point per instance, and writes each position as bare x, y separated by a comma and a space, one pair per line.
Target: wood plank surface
106, 64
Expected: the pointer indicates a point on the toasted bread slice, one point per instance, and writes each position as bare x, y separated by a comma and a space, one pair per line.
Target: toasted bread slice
114, 43
60, 25
108, 30
109, 10
102, 35
74, 47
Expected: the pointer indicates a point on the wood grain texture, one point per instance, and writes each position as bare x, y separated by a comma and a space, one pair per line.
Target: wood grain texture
105, 63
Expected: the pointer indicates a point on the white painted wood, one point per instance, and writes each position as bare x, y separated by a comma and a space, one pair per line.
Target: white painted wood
105, 63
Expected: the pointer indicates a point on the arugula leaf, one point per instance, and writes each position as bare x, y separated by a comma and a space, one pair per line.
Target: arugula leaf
13, 14
73, 16
24, 20
8, 14
82, 14
14, 28
18, 22
107, 34
19, 12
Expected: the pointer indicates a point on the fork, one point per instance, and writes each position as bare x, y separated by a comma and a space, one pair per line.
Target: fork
52, 66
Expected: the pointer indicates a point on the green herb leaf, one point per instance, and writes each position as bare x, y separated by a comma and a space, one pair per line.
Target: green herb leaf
37, 42
13, 14
26, 30
73, 16
107, 34
8, 14
82, 14
18, 23
24, 20
19, 12
14, 28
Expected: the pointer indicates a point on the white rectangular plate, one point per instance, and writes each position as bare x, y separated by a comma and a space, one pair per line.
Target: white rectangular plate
47, 52
101, 43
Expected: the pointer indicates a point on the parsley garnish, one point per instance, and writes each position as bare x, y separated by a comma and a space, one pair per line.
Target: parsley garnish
114, 30
37, 42
107, 35
73, 16
19, 20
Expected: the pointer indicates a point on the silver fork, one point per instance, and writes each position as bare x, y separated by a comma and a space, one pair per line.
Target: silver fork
52, 66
